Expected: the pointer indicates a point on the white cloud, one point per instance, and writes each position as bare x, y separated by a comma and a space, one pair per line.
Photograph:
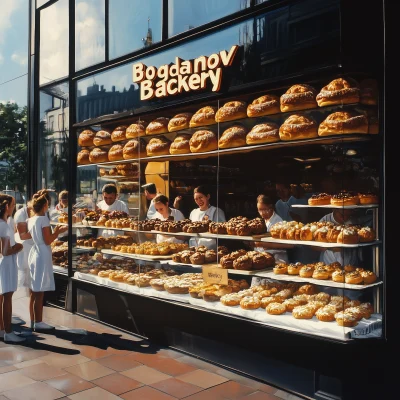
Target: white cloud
7, 101
8, 7
19, 59
1, 58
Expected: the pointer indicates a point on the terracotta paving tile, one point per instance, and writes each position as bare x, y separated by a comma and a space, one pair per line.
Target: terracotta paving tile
205, 395
231, 390
12, 354
94, 353
197, 363
119, 363
147, 358
12, 380
38, 390
172, 367
286, 396
170, 353
69, 384
145, 375
260, 396
29, 363
95, 393
202, 378
176, 388
7, 368
117, 383
147, 393
89, 370
41, 372
63, 360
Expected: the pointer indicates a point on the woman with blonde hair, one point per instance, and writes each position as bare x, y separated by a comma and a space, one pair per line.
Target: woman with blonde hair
8, 269
40, 258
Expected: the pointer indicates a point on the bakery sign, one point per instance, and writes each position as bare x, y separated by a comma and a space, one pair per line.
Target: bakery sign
182, 76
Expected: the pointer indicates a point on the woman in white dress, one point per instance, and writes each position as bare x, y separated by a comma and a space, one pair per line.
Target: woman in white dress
205, 212
164, 212
40, 259
8, 269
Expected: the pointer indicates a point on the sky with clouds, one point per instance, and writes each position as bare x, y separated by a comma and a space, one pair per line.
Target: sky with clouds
14, 51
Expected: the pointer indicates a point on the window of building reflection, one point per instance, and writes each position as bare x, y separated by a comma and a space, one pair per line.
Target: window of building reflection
53, 137
184, 15
89, 33
54, 42
133, 24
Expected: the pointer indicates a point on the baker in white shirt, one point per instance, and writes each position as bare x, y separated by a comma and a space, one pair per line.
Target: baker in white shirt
111, 203
164, 212
150, 192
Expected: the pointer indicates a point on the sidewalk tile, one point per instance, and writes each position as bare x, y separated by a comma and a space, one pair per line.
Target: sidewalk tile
178, 389
231, 390
38, 390
12, 380
145, 375
202, 378
63, 360
147, 393
172, 367
95, 393
117, 383
89, 370
69, 384
260, 396
119, 363
41, 372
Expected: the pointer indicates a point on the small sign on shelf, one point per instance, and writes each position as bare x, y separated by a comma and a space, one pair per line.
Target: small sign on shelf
216, 275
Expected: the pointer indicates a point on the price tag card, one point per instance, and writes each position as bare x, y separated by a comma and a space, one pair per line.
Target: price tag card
215, 275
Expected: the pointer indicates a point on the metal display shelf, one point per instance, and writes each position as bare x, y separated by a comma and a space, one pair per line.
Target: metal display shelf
319, 244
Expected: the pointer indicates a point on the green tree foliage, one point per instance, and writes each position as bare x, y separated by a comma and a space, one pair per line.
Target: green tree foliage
13, 146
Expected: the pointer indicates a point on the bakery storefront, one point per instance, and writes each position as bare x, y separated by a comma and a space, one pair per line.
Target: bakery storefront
237, 98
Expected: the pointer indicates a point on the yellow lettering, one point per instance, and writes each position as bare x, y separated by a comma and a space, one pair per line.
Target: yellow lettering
194, 81
161, 90
227, 59
213, 61
151, 73
146, 91
174, 68
162, 72
138, 72
200, 64
186, 68
215, 77
170, 89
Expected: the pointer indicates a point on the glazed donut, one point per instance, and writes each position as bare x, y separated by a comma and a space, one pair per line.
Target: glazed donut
343, 122
368, 277
348, 235
102, 138
298, 127
250, 303
231, 110
345, 198
180, 145
203, 141
135, 130
234, 136
157, 126
368, 198
202, 117
119, 133
268, 300
267, 132
98, 155
345, 319
116, 152
179, 121
315, 305
369, 92
319, 199
326, 313
354, 278
83, 157
303, 312
339, 91
298, 97
290, 304
86, 137
135, 148
158, 146
322, 296
275, 308
366, 234
264, 105
231, 299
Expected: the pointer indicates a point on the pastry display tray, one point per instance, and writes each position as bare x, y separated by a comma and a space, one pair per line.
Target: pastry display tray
320, 282
319, 244
332, 206
230, 271
136, 256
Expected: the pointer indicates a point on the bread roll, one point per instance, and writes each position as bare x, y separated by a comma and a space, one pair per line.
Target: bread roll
116, 152
264, 105
158, 126
133, 167
102, 138
136, 130
83, 157
235, 136
119, 133
86, 137
297, 127
298, 97
339, 91
343, 122
158, 146
180, 145
135, 148
179, 121
231, 110
203, 141
263, 133
202, 117
369, 92
98, 155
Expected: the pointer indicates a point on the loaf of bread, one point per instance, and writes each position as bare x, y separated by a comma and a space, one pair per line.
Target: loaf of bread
83, 157
102, 138
135, 148
158, 146
86, 137
234, 136
339, 91
116, 152
203, 116
263, 133
98, 155
157, 126
343, 122
203, 141
119, 133
231, 110
297, 127
180, 145
179, 121
264, 105
136, 130
298, 97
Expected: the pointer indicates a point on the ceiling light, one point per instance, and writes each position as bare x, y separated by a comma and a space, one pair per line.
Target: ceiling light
351, 152
308, 167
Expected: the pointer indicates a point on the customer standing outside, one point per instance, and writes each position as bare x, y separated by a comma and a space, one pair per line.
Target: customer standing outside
40, 259
8, 269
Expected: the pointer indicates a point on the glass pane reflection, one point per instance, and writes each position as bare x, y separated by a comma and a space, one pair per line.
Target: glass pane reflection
184, 15
89, 33
54, 42
134, 24
53, 137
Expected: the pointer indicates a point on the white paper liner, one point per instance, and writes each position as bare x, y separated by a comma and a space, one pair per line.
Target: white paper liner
59, 269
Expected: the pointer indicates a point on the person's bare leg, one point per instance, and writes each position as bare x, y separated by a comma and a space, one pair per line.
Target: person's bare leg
7, 311
38, 306
31, 301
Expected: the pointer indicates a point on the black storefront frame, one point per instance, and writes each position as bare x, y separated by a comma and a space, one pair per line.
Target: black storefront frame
323, 373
